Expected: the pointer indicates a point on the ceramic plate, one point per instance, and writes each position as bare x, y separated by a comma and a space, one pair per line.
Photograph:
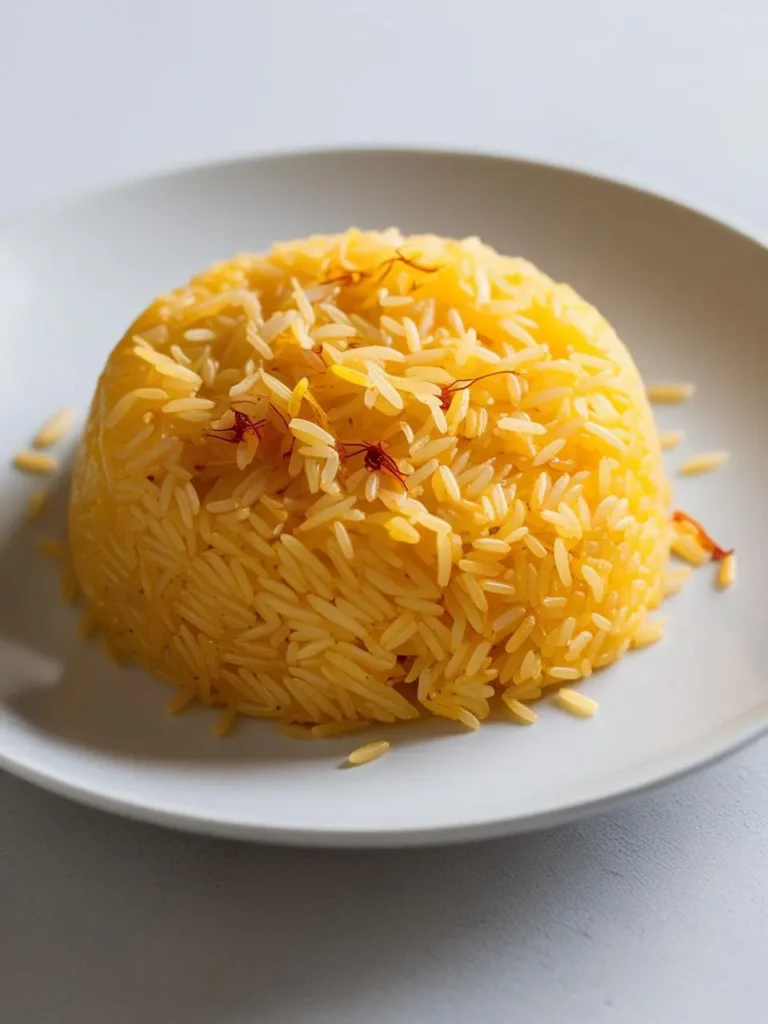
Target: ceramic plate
686, 293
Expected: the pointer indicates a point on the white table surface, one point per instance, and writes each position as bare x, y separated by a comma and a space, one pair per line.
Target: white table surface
655, 913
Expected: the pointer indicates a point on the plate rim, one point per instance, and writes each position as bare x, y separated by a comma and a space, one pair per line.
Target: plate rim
750, 725
69, 199
385, 838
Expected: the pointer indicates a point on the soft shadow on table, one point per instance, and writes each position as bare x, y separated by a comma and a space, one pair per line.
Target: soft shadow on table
104, 919
67, 689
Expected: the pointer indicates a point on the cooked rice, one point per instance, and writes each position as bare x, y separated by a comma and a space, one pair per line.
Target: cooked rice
36, 463
670, 439
688, 548
702, 463
225, 721
520, 711
726, 575
649, 634
675, 580
230, 534
576, 703
670, 394
53, 429
369, 752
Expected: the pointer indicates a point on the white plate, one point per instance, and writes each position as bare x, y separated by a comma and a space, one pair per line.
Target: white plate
684, 291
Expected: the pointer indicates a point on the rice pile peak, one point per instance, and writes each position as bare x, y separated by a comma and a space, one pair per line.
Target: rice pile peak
369, 477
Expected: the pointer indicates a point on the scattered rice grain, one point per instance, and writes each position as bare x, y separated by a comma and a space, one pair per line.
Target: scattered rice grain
368, 752
576, 703
702, 463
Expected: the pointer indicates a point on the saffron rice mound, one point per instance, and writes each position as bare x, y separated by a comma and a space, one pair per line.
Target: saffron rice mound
370, 477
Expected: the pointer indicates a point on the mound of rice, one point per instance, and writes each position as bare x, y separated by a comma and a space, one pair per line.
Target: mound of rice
367, 477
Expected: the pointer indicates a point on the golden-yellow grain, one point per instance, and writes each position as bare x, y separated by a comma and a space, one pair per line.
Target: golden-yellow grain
726, 575
670, 439
401, 530
594, 581
686, 546
225, 722
702, 463
346, 373
36, 463
283, 505
576, 703
648, 634
675, 580
467, 718
520, 635
368, 752
670, 393
564, 672
53, 429
521, 711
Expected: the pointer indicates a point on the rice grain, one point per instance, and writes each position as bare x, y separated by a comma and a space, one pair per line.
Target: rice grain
726, 575
703, 463
53, 429
670, 394
368, 752
576, 703
35, 463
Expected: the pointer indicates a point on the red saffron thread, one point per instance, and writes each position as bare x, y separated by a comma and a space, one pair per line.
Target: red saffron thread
407, 260
354, 277
376, 458
706, 541
447, 393
242, 427
350, 277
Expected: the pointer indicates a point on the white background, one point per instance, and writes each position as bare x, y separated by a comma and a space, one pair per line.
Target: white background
655, 913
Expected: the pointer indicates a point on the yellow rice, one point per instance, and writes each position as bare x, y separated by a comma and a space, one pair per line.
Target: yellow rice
670, 439
576, 703
270, 572
36, 463
675, 580
670, 394
53, 429
726, 575
703, 463
369, 752
521, 711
